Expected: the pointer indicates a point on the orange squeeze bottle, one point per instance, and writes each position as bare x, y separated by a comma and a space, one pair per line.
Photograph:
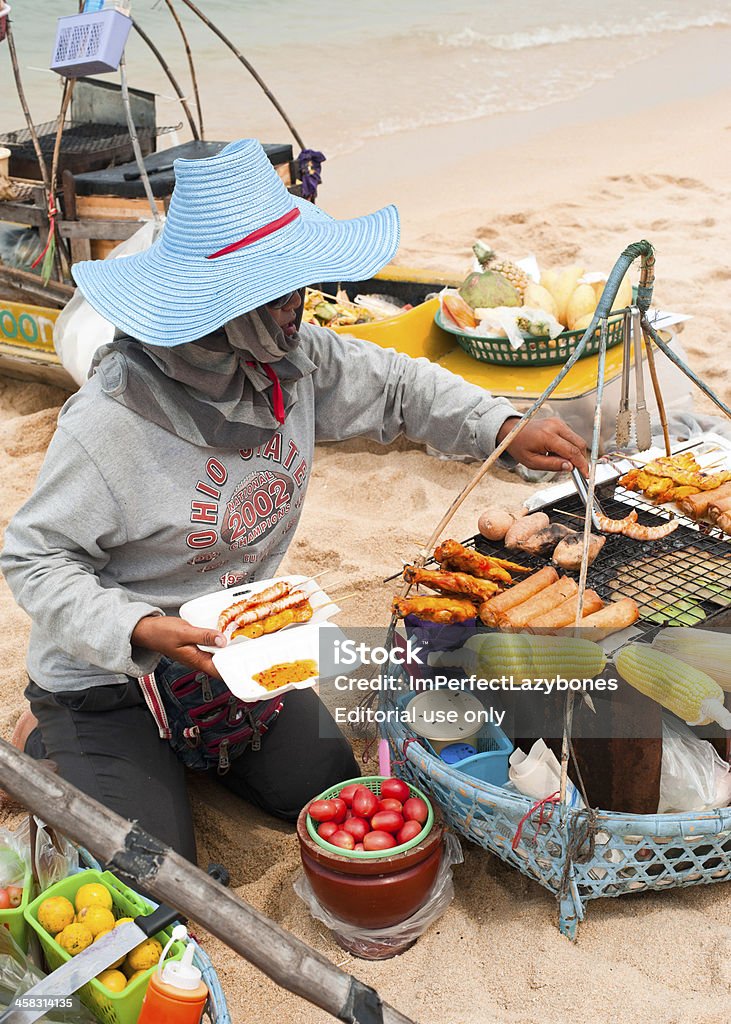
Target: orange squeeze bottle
176, 993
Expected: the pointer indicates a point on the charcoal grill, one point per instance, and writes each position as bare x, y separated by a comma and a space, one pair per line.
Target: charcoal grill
581, 854
84, 147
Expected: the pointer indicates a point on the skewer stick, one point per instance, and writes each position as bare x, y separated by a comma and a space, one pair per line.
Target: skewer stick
658, 392
171, 78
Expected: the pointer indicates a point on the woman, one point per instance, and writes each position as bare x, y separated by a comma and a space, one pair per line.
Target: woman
207, 406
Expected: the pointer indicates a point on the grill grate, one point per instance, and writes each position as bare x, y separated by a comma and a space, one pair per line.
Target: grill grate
683, 579
76, 138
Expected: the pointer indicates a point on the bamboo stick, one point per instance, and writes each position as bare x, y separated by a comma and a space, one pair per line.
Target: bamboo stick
26, 111
191, 64
171, 78
132, 128
127, 849
250, 68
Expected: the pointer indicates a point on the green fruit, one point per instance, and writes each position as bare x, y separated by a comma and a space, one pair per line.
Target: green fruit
488, 290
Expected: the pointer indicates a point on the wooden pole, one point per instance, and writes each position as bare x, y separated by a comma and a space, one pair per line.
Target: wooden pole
191, 65
126, 848
26, 110
171, 77
250, 68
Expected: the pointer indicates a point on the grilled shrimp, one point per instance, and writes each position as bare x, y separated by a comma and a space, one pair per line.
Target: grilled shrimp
636, 531
607, 525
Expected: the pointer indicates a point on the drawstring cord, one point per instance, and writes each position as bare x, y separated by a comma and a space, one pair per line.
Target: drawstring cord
277, 396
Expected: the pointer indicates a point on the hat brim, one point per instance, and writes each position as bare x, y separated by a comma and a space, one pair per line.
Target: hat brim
168, 301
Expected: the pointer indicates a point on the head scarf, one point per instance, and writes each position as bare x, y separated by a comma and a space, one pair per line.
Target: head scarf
217, 392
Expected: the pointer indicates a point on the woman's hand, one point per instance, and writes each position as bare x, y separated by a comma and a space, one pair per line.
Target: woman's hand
547, 444
178, 640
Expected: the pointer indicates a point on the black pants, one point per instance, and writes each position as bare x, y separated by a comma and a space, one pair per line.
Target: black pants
105, 741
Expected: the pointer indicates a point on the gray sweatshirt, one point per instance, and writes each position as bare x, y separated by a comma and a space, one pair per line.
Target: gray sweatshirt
127, 519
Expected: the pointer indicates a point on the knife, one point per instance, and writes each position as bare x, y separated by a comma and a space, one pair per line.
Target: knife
643, 428
92, 961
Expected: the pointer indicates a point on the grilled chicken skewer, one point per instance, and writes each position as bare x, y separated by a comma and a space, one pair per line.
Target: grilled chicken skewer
446, 610
454, 556
451, 582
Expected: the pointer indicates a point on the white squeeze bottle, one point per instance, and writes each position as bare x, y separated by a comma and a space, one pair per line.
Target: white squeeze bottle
538, 774
176, 993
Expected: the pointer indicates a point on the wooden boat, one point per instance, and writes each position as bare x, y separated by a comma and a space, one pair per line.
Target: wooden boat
26, 348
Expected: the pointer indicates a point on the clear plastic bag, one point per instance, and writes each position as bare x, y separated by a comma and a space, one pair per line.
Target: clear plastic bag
56, 857
380, 943
18, 974
79, 330
693, 776
14, 855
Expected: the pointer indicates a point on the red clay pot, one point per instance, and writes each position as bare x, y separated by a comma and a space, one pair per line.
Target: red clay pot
371, 893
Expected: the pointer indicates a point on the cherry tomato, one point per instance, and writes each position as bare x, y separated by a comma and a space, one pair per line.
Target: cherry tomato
395, 789
322, 810
365, 802
341, 809
15, 895
416, 810
4, 900
378, 841
387, 821
359, 848
327, 829
347, 793
410, 831
389, 804
358, 827
342, 839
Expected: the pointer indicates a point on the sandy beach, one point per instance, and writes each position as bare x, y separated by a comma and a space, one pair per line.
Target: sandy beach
574, 182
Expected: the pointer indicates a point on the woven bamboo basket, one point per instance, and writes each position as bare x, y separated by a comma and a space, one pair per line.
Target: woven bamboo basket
578, 855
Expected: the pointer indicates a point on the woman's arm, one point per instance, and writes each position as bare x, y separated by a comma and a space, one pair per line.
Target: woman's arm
363, 389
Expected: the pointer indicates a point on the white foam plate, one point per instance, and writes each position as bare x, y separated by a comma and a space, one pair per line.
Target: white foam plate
204, 611
238, 663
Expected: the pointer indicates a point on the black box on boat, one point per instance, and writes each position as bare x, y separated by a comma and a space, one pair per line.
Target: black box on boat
124, 179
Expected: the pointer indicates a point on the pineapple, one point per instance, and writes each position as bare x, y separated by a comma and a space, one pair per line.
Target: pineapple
487, 259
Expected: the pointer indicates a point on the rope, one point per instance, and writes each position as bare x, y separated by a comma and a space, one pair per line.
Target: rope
545, 816
407, 743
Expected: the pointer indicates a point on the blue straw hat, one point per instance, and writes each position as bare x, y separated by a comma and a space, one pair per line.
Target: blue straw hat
234, 239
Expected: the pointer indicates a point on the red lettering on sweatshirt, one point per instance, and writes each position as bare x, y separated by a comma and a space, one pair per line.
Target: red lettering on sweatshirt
216, 471
203, 512
202, 539
212, 492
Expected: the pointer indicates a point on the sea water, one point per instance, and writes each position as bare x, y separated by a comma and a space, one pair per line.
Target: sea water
349, 72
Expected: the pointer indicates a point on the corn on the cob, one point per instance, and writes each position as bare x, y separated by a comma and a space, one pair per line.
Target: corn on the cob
536, 657
686, 691
706, 649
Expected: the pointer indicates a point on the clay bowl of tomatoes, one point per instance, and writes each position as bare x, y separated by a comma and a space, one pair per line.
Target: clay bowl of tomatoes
391, 876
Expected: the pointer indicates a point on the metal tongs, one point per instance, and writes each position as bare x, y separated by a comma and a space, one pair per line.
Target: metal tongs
643, 428
624, 416
582, 488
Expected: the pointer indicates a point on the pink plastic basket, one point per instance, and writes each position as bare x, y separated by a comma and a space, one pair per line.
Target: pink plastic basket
89, 44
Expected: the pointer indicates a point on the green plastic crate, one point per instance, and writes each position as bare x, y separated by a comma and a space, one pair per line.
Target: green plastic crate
110, 1007
14, 920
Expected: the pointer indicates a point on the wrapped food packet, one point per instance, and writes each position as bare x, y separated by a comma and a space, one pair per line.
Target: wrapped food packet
55, 856
18, 974
517, 323
14, 855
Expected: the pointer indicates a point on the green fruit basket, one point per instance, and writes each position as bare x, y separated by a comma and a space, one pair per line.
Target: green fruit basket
107, 1006
535, 351
14, 918
373, 782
